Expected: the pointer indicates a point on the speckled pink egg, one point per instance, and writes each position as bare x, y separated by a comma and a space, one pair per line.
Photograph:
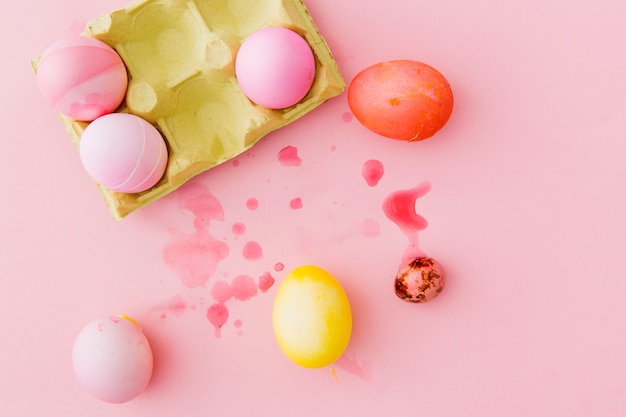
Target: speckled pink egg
112, 359
82, 77
123, 152
275, 67
420, 280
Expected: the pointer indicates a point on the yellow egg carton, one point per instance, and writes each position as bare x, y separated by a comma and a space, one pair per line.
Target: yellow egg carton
180, 57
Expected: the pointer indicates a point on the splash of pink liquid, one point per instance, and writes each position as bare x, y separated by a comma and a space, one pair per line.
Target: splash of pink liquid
218, 316
372, 171
347, 117
279, 267
238, 229
362, 370
252, 251
399, 207
252, 204
243, 287
195, 257
288, 157
265, 282
221, 291
296, 203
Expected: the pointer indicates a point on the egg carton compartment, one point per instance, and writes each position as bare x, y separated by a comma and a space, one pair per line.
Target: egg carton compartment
180, 57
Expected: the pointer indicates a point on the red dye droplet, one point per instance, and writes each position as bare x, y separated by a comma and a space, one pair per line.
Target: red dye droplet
372, 172
265, 282
296, 203
239, 229
399, 207
252, 251
347, 117
279, 267
194, 258
218, 316
243, 287
252, 203
238, 323
221, 291
197, 199
288, 157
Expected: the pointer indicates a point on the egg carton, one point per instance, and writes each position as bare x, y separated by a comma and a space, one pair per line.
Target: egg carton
180, 57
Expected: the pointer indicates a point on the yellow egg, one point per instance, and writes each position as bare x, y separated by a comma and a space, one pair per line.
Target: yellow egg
311, 317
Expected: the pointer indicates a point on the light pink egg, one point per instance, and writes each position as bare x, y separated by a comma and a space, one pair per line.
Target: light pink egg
112, 359
82, 77
123, 152
275, 67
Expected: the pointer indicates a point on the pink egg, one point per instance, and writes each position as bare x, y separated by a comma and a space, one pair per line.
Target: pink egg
82, 77
123, 152
112, 359
275, 67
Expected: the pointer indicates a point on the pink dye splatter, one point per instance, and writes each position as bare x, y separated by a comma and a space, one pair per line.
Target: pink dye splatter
238, 323
252, 251
236, 163
194, 258
296, 203
279, 266
372, 172
243, 287
347, 117
177, 306
370, 228
197, 199
218, 316
238, 229
361, 370
265, 282
221, 291
288, 157
333, 148
400, 208
252, 204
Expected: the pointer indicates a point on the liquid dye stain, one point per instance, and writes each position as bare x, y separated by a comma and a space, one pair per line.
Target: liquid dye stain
265, 282
252, 251
288, 157
194, 257
296, 203
399, 207
218, 316
252, 204
372, 171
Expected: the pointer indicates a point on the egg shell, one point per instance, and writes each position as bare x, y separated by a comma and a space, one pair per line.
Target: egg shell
123, 152
311, 317
112, 359
403, 99
82, 78
275, 67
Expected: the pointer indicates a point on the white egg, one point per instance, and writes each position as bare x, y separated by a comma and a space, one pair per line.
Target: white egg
112, 359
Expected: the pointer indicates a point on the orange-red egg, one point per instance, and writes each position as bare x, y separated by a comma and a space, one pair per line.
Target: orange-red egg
404, 100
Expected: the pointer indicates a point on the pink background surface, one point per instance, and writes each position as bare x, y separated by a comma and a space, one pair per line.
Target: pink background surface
526, 213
